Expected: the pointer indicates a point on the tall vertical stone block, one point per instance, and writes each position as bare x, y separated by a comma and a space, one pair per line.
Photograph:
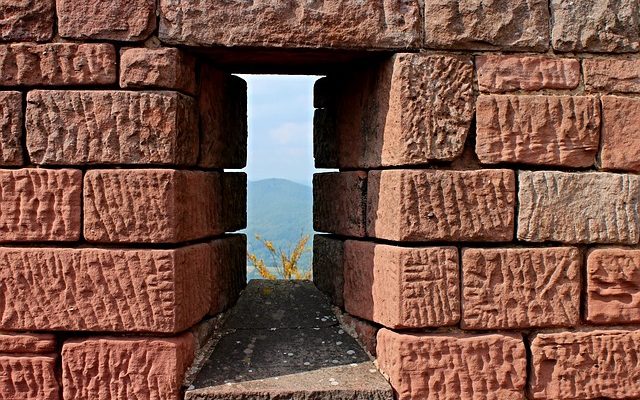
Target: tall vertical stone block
339, 203
11, 124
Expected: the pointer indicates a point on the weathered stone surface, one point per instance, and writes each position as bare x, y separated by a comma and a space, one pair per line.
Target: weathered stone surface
436, 205
611, 75
59, 64
520, 288
40, 205
29, 343
105, 290
328, 267
28, 377
363, 331
229, 258
26, 20
478, 25
127, 20
453, 366
339, 203
505, 73
168, 68
613, 286
578, 207
620, 148
402, 287
586, 365
151, 206
223, 119
540, 130
234, 200
11, 128
595, 26
125, 368
111, 127
380, 24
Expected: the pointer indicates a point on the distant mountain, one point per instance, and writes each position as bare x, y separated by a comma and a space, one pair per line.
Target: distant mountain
279, 210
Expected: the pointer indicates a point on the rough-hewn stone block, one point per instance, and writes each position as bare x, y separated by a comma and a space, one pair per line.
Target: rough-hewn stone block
234, 200
620, 148
339, 203
127, 20
125, 368
27, 343
40, 205
453, 366
11, 128
229, 258
578, 207
111, 127
402, 287
105, 290
380, 24
613, 286
436, 205
328, 267
168, 68
26, 20
151, 206
542, 130
59, 64
28, 377
520, 288
475, 25
611, 75
595, 26
499, 74
586, 365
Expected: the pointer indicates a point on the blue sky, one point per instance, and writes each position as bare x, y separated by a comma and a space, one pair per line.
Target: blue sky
280, 127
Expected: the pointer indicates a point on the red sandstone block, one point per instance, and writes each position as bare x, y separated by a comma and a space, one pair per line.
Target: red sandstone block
163, 291
126, 20
504, 73
229, 265
520, 288
168, 68
234, 200
40, 205
328, 267
111, 127
339, 201
438, 205
59, 64
28, 377
30, 343
613, 286
540, 130
151, 206
402, 287
453, 366
10, 128
620, 134
611, 75
586, 365
26, 20
125, 368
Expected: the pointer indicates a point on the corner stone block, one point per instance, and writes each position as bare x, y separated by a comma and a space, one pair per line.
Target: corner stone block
453, 366
620, 134
585, 365
229, 262
126, 368
520, 288
402, 287
165, 68
28, 376
577, 208
27, 343
440, 205
26, 20
11, 115
328, 267
339, 203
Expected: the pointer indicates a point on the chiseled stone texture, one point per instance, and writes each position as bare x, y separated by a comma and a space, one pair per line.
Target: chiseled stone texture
586, 365
229, 258
328, 267
453, 366
439, 205
539, 130
111, 127
345, 24
620, 148
402, 287
11, 128
26, 20
339, 203
126, 368
509, 73
520, 288
40, 205
31, 377
163, 291
167, 67
59, 64
595, 26
611, 75
613, 286
125, 20
151, 205
486, 25
27, 343
578, 207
